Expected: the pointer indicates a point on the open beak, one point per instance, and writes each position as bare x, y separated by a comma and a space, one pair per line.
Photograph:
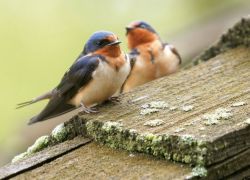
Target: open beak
128, 29
114, 43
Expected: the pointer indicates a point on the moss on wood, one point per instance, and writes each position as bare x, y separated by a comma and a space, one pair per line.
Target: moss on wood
238, 35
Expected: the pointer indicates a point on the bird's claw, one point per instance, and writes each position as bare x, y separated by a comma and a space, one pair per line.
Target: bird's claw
114, 99
89, 110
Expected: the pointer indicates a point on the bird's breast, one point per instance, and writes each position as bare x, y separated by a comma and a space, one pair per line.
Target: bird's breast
106, 80
167, 62
164, 62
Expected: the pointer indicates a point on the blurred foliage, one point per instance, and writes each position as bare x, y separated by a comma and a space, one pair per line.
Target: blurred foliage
40, 39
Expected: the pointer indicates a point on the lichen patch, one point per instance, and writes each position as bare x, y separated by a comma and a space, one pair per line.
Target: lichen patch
173, 108
214, 117
187, 108
19, 157
152, 107
149, 111
199, 171
59, 133
39, 144
154, 123
155, 104
179, 130
247, 121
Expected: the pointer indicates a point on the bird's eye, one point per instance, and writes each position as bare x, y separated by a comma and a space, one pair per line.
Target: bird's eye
103, 42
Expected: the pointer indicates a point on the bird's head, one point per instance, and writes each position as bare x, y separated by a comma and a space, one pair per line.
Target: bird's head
104, 43
140, 32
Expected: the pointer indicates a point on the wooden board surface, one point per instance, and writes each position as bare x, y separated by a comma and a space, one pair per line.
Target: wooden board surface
216, 87
94, 161
40, 158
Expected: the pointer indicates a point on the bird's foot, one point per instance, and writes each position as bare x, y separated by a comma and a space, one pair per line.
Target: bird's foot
88, 110
114, 99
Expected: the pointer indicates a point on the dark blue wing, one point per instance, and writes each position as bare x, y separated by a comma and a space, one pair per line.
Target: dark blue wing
79, 75
132, 57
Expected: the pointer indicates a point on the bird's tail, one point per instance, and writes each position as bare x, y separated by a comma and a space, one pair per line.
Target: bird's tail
55, 107
46, 95
23, 104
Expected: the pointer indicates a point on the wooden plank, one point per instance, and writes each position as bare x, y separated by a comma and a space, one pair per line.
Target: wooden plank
236, 36
220, 83
224, 169
94, 161
182, 134
42, 157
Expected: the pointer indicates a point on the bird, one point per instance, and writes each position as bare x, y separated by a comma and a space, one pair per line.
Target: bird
92, 79
151, 57
48, 94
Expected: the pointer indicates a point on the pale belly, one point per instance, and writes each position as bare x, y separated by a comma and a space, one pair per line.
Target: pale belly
106, 81
145, 71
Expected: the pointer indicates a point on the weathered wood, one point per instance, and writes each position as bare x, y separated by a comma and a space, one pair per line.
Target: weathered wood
181, 135
216, 84
199, 117
238, 35
42, 157
224, 169
94, 161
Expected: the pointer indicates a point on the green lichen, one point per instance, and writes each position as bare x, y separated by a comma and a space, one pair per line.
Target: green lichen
19, 157
108, 126
187, 108
62, 132
41, 143
59, 133
152, 107
187, 159
178, 148
247, 121
179, 130
154, 123
199, 171
173, 108
156, 104
149, 111
214, 117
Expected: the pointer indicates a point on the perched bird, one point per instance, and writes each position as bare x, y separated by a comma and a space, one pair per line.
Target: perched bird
92, 79
152, 58
49, 94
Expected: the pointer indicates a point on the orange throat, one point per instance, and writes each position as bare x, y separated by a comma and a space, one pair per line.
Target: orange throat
137, 37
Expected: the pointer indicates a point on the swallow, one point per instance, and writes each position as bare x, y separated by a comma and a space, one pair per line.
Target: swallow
92, 79
151, 57
49, 94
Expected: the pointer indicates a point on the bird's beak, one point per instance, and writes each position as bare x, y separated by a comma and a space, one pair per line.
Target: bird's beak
128, 29
114, 43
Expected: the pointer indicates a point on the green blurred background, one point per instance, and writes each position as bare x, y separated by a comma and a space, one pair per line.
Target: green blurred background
39, 40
